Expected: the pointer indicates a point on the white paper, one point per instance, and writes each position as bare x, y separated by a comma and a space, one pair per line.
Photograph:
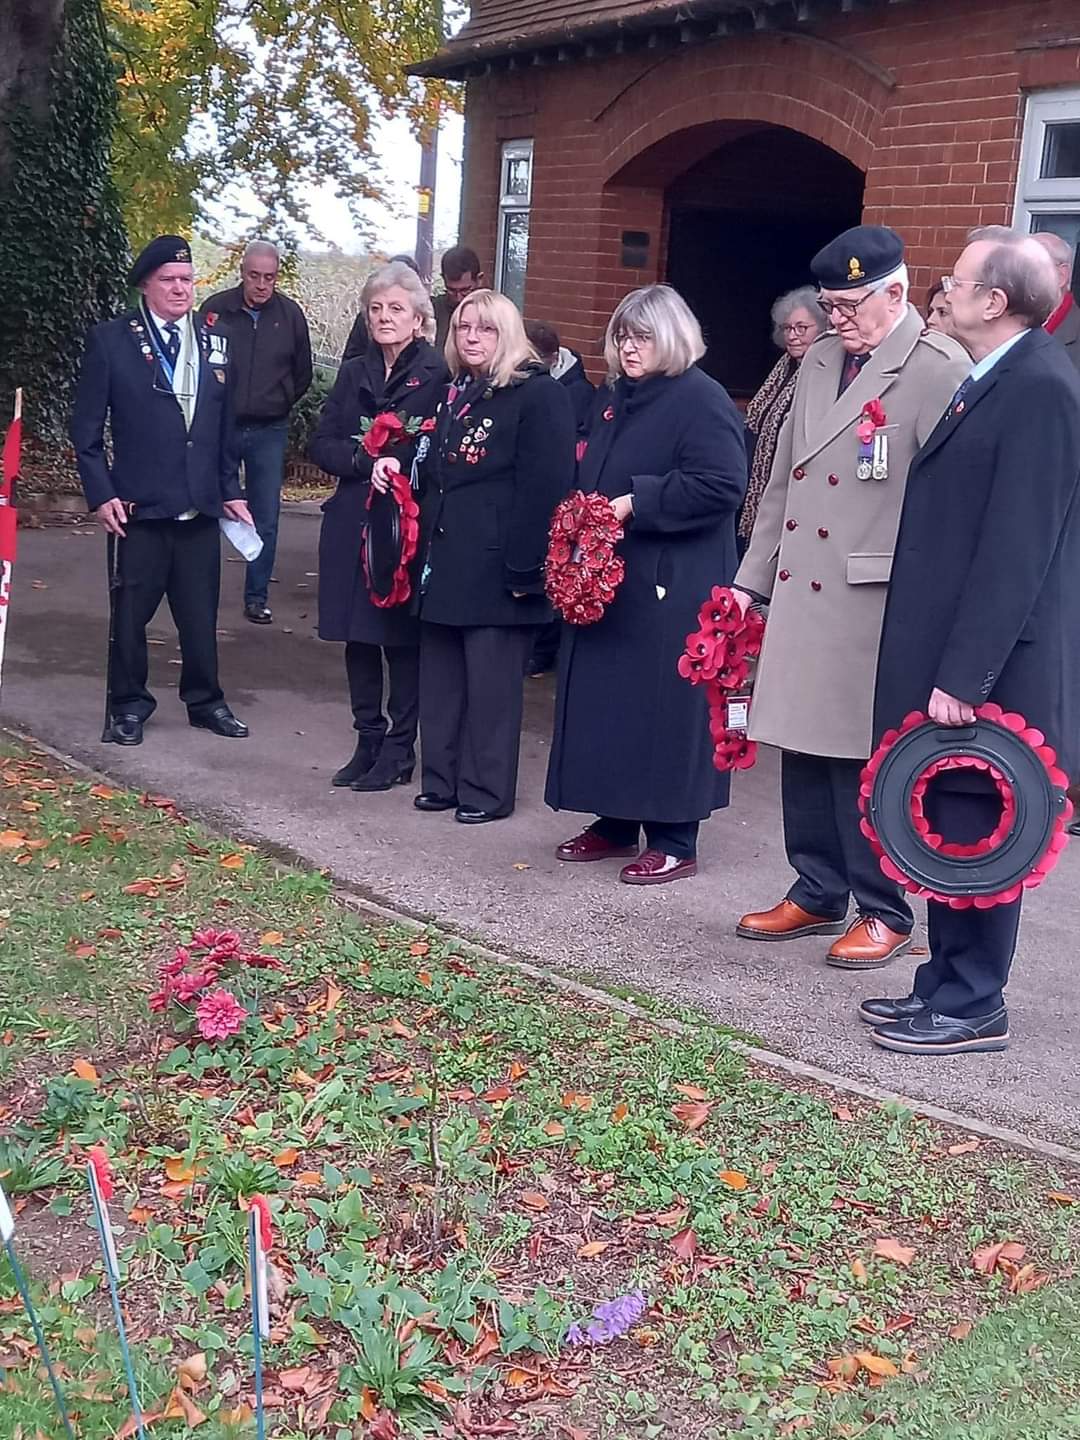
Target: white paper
243, 537
7, 1220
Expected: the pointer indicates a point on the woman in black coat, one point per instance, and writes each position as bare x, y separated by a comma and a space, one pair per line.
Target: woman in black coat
401, 373
631, 742
502, 458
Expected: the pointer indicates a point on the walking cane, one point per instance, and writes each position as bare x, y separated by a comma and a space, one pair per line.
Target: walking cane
112, 569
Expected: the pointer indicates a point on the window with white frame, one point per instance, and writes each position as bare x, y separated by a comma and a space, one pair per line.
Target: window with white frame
515, 195
1048, 191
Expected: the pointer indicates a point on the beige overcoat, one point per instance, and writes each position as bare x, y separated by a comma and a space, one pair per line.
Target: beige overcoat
822, 546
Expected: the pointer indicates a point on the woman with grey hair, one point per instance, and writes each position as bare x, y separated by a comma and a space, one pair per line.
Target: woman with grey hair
631, 742
797, 321
400, 373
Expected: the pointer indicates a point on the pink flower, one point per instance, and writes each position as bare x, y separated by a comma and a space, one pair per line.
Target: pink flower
177, 964
219, 1015
211, 939
188, 986
263, 962
428, 425
161, 999
103, 1170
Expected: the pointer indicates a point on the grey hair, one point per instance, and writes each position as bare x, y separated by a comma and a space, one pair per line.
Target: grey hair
805, 297
1056, 246
660, 311
1021, 269
397, 273
899, 276
260, 247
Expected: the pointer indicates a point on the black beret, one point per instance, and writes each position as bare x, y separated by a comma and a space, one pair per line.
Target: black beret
858, 257
164, 250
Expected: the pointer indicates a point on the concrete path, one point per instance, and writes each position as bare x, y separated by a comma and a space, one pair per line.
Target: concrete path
501, 883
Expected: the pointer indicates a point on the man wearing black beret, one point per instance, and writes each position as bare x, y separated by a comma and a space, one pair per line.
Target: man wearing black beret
869, 392
161, 380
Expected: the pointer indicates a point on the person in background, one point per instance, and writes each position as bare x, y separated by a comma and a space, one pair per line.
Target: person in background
797, 321
400, 372
270, 351
937, 309
502, 458
984, 608
357, 343
565, 366
160, 379
631, 742
1064, 321
462, 276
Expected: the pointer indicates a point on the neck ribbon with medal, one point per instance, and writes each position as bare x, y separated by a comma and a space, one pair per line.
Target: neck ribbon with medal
873, 443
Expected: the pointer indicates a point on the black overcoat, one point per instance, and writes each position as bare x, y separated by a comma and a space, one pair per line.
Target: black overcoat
631, 736
502, 460
413, 388
157, 464
984, 601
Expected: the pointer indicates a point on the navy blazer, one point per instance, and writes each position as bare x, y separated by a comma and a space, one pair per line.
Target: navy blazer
984, 601
157, 465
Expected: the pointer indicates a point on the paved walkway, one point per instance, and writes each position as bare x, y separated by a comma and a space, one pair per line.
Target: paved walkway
500, 883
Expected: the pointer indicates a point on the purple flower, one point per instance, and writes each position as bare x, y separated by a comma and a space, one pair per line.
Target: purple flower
610, 1319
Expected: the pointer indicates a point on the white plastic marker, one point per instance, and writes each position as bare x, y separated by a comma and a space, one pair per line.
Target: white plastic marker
112, 1273
258, 1221
7, 1235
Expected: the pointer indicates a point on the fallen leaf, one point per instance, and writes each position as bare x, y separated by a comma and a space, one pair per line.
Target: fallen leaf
383, 1427
103, 792
496, 1094
685, 1243
518, 1378
733, 1179
435, 1389
1059, 1197
620, 1112
179, 1171
333, 997
420, 947
961, 1330
965, 1147
140, 1215
517, 1070
889, 1249
533, 1200
988, 1257
424, 978
692, 1092
876, 1364
1026, 1279
296, 1380
896, 1323
858, 1270
182, 1407
402, 1031
85, 1071
271, 937
592, 1249
193, 1369
844, 1367
11, 839
573, 1100
233, 861
554, 1130
692, 1114
285, 1158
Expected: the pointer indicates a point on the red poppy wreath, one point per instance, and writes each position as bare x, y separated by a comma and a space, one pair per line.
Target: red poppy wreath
718, 655
390, 544
1025, 842
582, 571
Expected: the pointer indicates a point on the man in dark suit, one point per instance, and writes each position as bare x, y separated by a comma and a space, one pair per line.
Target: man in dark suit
984, 607
1064, 320
161, 380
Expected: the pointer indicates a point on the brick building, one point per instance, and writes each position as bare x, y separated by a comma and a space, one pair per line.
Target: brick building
718, 143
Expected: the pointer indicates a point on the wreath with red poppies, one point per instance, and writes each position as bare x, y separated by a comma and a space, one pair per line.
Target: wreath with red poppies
401, 493
719, 655
582, 571
939, 854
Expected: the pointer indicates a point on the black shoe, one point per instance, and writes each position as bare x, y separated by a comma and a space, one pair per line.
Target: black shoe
470, 815
428, 800
886, 1012
931, 1034
1074, 828
126, 730
259, 613
363, 758
387, 772
222, 722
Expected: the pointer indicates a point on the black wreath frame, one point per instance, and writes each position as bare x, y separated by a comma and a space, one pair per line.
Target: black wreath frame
382, 542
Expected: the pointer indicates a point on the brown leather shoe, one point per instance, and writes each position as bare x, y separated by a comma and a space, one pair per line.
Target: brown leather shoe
868, 944
786, 921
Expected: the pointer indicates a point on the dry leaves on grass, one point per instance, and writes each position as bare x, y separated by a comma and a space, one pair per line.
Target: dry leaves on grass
886, 1248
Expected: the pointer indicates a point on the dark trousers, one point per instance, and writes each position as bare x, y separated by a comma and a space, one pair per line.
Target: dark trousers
262, 449
826, 847
364, 668
669, 838
180, 560
545, 647
471, 680
971, 950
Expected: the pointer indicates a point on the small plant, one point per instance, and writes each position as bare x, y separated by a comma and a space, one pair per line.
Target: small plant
195, 974
239, 1175
24, 1169
401, 1369
69, 1102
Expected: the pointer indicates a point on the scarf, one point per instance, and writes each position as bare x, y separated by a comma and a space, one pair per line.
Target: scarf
765, 415
1059, 314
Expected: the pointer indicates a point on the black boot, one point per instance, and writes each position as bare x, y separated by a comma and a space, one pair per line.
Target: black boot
363, 757
388, 771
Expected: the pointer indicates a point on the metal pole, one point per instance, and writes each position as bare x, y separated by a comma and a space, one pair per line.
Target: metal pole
39, 1336
112, 570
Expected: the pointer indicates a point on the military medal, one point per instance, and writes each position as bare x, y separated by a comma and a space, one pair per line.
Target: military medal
865, 469
881, 457
873, 446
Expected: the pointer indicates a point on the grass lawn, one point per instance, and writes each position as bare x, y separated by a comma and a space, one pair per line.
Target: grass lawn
498, 1209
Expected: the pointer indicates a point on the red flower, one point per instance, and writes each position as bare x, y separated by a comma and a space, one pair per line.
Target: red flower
609, 413
261, 1206
385, 430
210, 318
220, 1015
177, 964
193, 983
263, 962
161, 999
428, 425
103, 1171
582, 571
875, 412
401, 589
580, 449
211, 939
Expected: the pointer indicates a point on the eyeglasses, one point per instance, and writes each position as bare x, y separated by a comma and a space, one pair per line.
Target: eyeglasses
953, 282
466, 329
848, 308
802, 329
634, 339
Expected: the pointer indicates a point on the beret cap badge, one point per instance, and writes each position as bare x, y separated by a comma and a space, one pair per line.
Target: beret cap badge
855, 270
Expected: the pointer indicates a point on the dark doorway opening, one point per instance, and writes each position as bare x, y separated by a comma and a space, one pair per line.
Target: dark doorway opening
744, 224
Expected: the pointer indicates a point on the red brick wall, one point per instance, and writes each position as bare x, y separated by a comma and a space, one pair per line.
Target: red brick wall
925, 97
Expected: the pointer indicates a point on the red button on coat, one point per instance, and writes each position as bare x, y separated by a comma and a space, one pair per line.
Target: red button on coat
823, 533
799, 473
834, 479
815, 584
785, 574
792, 524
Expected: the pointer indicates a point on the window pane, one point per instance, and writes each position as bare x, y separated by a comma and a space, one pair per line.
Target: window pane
1061, 152
516, 180
1068, 227
515, 256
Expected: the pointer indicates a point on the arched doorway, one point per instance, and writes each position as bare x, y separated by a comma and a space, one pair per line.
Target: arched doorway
742, 224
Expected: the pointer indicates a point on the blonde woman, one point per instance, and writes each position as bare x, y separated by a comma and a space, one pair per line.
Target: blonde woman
502, 458
631, 743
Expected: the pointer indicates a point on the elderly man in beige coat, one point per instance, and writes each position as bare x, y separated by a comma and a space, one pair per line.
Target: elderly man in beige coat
869, 393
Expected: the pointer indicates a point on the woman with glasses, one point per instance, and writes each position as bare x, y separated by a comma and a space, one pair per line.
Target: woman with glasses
797, 321
501, 459
631, 743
